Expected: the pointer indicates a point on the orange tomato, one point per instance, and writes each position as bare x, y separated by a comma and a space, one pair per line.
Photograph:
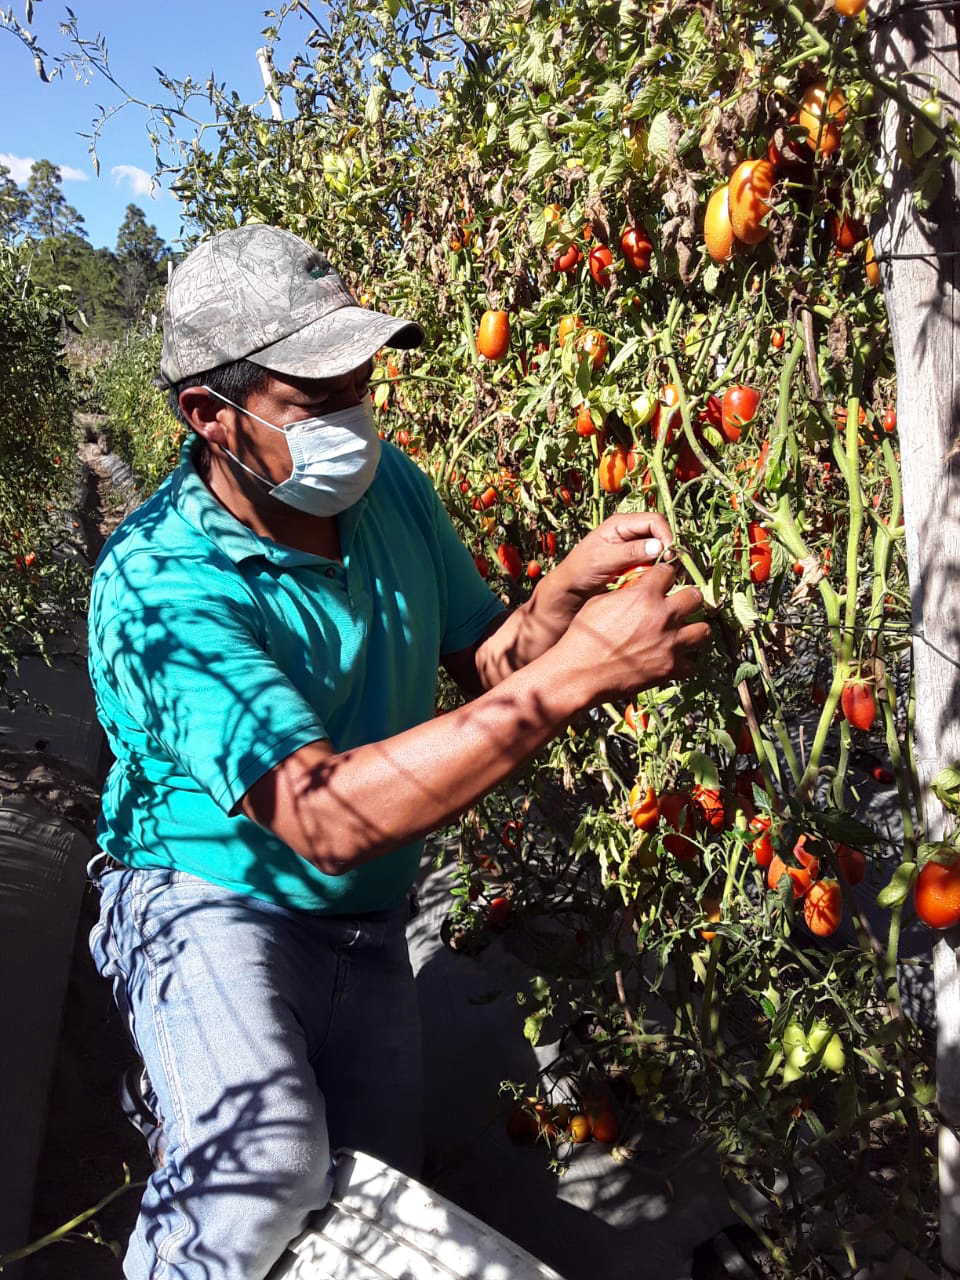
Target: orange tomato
613, 467
936, 894
578, 1130
870, 265
749, 189
592, 343
711, 909
643, 807
717, 229
823, 908
801, 877
493, 338
762, 846
822, 117
533, 570
777, 338
849, 8
567, 326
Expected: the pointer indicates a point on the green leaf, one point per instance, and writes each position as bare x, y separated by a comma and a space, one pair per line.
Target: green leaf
899, 887
626, 352
746, 671
844, 827
743, 611
517, 137
946, 787
543, 160
704, 770
533, 1025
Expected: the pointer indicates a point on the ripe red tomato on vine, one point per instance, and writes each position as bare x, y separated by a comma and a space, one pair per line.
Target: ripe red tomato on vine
858, 703
599, 262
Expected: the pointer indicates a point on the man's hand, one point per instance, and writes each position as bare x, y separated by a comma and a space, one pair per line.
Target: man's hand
622, 542
622, 641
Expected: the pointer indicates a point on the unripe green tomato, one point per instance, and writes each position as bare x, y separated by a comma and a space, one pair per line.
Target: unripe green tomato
924, 138
827, 1043
646, 853
392, 7
492, 110
642, 408
794, 1036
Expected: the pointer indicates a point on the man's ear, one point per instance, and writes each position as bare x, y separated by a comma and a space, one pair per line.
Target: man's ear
203, 412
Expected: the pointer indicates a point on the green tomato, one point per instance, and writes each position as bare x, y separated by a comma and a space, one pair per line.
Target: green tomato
392, 7
826, 1043
923, 137
794, 1037
642, 408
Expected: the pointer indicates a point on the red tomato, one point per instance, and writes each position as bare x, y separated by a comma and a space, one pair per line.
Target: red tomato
483, 565
777, 339
636, 247
738, 406
762, 846
568, 260
859, 704
709, 801
498, 912
548, 543
676, 815
598, 261
509, 557
761, 557
533, 570
846, 232
936, 895
585, 424
890, 419
853, 864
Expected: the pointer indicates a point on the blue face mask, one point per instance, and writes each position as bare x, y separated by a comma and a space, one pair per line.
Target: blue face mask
334, 458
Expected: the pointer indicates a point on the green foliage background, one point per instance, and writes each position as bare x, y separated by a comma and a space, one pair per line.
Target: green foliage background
42, 581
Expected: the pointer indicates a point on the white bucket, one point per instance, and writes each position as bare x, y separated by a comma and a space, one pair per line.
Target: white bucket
381, 1225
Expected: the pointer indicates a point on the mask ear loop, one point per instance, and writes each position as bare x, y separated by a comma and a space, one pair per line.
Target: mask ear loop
250, 471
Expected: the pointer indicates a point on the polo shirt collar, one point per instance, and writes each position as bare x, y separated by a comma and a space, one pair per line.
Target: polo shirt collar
195, 504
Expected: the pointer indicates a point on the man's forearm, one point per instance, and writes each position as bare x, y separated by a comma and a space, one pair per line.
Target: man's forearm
531, 630
340, 810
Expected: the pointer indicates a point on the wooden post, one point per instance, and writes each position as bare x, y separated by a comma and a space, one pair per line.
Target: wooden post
915, 48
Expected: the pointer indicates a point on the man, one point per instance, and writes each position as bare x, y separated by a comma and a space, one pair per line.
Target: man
265, 634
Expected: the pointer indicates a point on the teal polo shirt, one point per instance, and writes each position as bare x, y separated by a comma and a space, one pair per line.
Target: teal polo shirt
215, 654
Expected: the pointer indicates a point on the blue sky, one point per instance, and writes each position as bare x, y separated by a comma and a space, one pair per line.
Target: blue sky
182, 37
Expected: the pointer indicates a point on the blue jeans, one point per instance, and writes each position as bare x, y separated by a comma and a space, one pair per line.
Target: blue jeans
271, 1038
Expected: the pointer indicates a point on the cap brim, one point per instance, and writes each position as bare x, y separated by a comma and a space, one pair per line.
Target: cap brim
337, 343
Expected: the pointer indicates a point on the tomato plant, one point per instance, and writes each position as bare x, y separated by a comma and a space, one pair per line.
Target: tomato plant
728, 158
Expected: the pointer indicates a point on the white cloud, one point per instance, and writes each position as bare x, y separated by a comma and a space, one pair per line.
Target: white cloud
141, 184
20, 167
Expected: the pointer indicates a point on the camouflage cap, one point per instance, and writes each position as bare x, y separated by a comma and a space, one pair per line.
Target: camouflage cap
262, 294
